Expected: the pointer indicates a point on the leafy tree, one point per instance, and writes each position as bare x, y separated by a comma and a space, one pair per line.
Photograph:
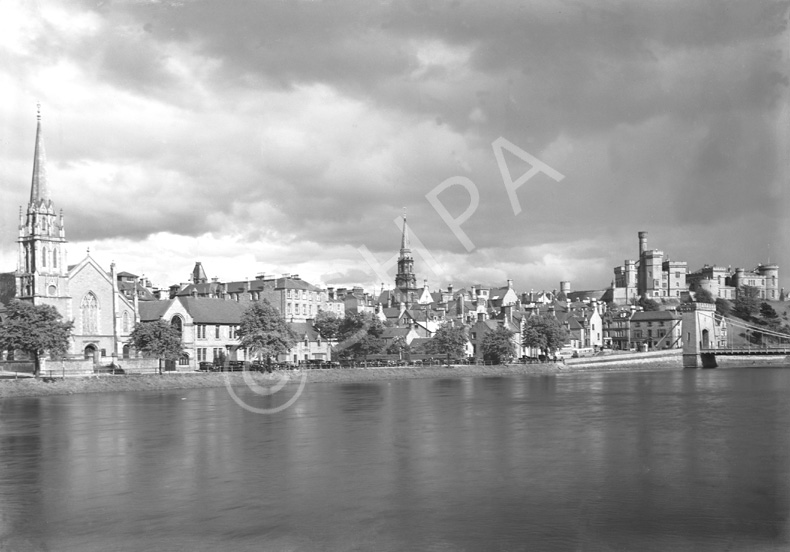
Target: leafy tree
264, 332
723, 307
747, 302
359, 335
768, 312
449, 340
704, 296
649, 304
157, 339
545, 333
327, 324
34, 329
497, 345
398, 347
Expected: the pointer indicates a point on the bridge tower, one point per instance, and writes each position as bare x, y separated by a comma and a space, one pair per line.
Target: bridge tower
699, 334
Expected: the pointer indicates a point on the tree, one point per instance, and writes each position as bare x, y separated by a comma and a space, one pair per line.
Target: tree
327, 324
264, 332
768, 312
34, 329
704, 296
649, 304
398, 347
449, 340
545, 333
497, 345
723, 307
157, 339
359, 335
747, 302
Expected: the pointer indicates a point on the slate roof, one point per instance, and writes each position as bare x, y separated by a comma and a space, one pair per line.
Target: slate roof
649, 316
303, 328
153, 310
392, 333
207, 310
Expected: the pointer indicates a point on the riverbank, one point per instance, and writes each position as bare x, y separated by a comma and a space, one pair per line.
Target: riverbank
30, 387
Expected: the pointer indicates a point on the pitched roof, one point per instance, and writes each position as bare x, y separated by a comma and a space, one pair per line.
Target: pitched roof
645, 316
207, 310
303, 328
153, 310
392, 333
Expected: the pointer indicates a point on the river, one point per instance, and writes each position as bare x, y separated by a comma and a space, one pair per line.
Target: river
680, 460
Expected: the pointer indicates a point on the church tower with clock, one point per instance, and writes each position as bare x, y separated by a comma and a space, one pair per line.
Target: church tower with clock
42, 270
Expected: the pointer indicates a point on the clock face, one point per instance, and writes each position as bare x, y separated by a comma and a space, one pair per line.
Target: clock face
52, 290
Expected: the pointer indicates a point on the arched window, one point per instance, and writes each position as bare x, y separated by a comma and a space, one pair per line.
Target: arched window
43, 256
125, 322
184, 360
126, 351
89, 310
177, 323
54, 258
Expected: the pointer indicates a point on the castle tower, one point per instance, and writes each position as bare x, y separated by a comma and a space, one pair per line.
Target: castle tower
405, 279
41, 275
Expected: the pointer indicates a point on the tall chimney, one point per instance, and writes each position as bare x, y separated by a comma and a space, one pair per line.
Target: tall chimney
642, 243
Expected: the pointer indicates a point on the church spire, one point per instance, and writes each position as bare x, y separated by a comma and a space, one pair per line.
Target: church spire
39, 191
405, 246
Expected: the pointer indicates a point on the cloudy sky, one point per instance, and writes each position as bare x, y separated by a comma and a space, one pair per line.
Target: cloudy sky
287, 136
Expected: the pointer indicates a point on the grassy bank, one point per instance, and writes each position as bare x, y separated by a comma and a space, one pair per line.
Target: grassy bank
107, 383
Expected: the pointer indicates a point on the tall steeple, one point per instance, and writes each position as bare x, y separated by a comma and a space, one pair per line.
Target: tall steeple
41, 267
405, 246
39, 191
405, 280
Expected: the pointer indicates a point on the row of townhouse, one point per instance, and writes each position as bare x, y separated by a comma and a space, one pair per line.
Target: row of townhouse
296, 299
209, 331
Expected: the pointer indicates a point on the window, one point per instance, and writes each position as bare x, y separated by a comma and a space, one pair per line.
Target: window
184, 360
89, 312
288, 293
126, 351
216, 332
201, 354
201, 331
125, 322
54, 258
43, 256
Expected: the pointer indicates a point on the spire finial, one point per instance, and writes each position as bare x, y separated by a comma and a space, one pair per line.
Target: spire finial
404, 242
39, 191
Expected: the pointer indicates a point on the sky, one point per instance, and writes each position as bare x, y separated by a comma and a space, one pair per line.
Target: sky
525, 140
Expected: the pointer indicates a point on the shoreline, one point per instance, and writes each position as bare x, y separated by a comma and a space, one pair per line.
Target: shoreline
30, 387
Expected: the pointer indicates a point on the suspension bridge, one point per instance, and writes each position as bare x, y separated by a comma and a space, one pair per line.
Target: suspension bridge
707, 334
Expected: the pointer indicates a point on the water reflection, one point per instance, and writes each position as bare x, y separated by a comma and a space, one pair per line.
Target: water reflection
692, 460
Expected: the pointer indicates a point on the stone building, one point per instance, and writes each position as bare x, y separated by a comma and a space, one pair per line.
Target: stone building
103, 315
652, 276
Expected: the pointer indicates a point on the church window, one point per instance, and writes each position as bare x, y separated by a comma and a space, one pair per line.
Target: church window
177, 323
89, 311
43, 256
184, 360
54, 258
125, 322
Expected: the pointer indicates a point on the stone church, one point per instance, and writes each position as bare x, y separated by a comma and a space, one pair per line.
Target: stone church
103, 315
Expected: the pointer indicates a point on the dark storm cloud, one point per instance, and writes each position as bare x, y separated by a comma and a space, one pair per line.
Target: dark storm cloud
322, 119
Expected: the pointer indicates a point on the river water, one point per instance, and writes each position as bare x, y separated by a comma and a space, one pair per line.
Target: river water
682, 460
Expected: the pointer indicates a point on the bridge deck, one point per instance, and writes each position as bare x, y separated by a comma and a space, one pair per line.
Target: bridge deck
749, 351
